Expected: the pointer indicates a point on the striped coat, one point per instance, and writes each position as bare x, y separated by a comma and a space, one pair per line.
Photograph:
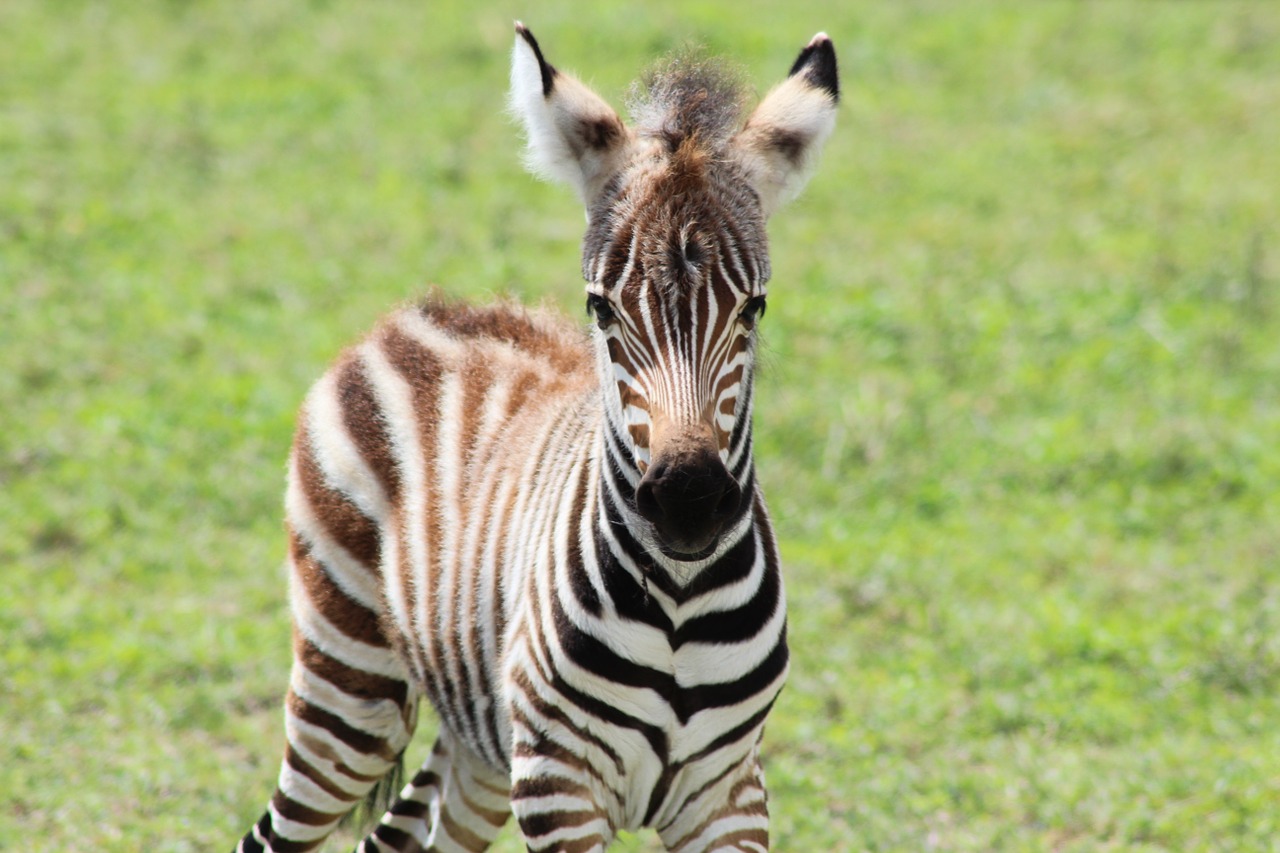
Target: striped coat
496, 512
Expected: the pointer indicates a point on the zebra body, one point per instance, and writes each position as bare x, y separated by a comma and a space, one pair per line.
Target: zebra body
556, 540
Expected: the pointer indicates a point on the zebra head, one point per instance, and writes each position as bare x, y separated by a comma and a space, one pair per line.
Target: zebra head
676, 261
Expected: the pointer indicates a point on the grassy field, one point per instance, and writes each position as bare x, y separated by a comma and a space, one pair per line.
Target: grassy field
1019, 422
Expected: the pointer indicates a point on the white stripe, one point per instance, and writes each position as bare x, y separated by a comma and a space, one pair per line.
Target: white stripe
395, 397
333, 642
300, 788
344, 570
295, 831
448, 453
340, 461
378, 717
301, 732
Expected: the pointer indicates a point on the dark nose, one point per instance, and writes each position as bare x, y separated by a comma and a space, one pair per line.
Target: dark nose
688, 498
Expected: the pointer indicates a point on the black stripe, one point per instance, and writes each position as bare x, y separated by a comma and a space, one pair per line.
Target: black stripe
597, 658
691, 700
602, 710
726, 627
628, 597
398, 839
689, 798
735, 734
412, 809
584, 592
735, 565
358, 740
556, 714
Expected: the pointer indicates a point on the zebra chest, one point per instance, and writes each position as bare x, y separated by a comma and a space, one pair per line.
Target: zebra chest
668, 716
652, 680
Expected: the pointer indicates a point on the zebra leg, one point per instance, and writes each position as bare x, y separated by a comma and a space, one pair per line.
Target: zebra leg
349, 711
740, 822
455, 804
554, 795
557, 815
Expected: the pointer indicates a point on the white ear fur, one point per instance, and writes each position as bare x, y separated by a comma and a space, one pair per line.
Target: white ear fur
780, 143
573, 136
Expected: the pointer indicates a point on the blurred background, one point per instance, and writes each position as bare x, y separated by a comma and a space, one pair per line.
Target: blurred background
1019, 421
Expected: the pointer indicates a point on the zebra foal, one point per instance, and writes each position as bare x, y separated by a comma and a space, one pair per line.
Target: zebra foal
558, 540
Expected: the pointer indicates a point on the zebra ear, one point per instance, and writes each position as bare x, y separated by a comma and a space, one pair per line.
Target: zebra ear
573, 135
781, 140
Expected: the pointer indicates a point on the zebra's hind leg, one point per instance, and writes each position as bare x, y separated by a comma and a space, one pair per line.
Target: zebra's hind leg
456, 802
349, 713
339, 745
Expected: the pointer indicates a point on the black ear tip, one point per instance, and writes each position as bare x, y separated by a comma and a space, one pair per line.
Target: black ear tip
818, 64
524, 33
547, 69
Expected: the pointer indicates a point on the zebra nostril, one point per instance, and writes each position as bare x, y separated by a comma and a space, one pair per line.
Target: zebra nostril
647, 501
687, 503
729, 502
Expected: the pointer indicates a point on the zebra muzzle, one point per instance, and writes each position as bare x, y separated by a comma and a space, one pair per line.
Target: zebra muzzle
688, 496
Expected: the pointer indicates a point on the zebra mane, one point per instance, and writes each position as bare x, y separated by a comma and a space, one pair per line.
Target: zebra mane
689, 97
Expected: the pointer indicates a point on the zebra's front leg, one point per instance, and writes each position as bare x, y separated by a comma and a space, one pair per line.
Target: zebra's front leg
456, 802
556, 793
737, 820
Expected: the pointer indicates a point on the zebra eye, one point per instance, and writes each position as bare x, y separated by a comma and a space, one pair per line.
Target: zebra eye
600, 307
752, 311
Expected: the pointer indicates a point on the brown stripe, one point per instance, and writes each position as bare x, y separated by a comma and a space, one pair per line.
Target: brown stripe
693, 795
628, 395
523, 386
295, 811
360, 741
348, 679
639, 434
730, 378
734, 840
490, 816
578, 845
366, 423
283, 845
300, 765
461, 834
422, 369
344, 613
756, 808
340, 518
493, 789
475, 377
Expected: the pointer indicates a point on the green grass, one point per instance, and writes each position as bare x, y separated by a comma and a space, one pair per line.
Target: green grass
1019, 420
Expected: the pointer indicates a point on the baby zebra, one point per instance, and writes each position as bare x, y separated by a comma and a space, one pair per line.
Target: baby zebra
557, 539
